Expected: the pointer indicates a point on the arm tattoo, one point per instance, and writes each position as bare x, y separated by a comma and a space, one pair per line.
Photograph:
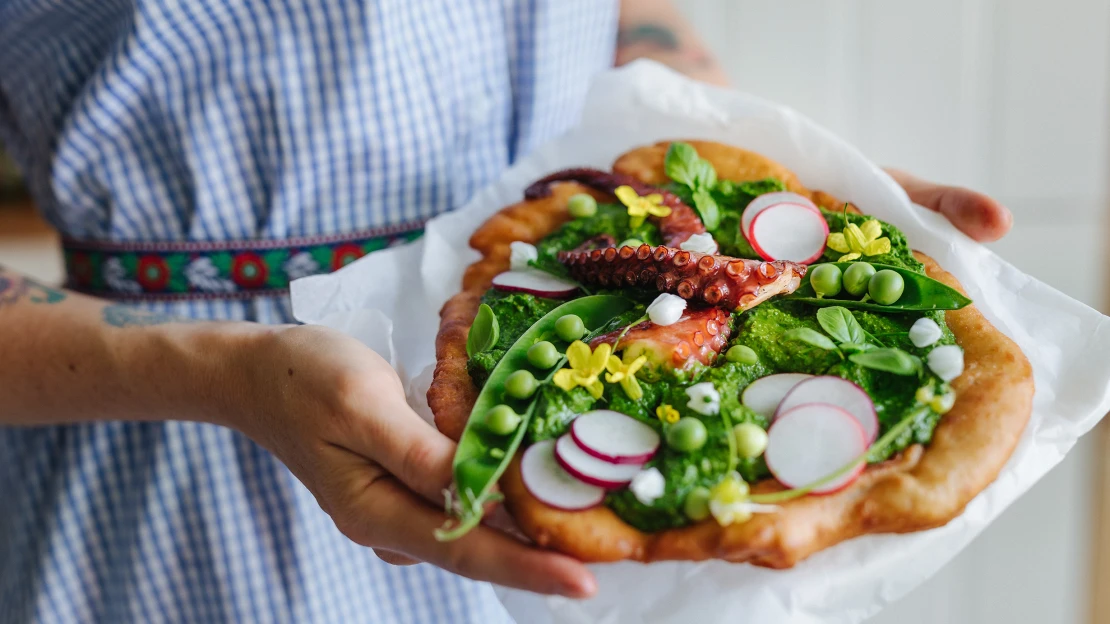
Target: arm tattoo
118, 315
661, 42
653, 34
15, 288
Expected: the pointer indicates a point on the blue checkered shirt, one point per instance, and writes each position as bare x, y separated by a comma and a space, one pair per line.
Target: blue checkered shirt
210, 120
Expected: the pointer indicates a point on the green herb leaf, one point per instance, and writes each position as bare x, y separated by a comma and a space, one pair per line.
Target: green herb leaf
856, 347
811, 337
705, 176
707, 209
484, 332
681, 163
839, 323
894, 361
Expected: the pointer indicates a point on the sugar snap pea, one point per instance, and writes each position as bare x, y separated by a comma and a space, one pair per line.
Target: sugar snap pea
478, 465
921, 293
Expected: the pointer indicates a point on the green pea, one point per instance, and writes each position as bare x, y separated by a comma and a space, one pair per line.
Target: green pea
687, 435
826, 280
520, 385
741, 354
696, 505
543, 355
502, 420
581, 206
856, 278
886, 287
751, 440
632, 242
570, 328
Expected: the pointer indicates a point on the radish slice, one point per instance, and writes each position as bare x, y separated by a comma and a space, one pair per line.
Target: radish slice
535, 282
613, 437
765, 201
763, 395
590, 469
552, 485
811, 442
839, 392
789, 232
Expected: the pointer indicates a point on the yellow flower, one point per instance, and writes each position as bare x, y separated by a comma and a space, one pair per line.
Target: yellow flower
585, 367
625, 374
856, 241
640, 207
667, 414
728, 500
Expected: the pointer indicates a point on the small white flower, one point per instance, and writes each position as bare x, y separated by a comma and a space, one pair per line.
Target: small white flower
702, 243
946, 361
704, 398
648, 485
204, 276
666, 309
116, 277
301, 265
924, 332
520, 254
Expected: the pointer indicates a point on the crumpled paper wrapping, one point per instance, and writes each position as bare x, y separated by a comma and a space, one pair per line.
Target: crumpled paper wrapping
391, 299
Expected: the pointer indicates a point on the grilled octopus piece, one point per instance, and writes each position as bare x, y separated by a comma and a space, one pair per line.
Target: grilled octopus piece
681, 224
722, 281
698, 336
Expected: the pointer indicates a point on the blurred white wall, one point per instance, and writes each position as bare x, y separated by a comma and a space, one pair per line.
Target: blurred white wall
1007, 96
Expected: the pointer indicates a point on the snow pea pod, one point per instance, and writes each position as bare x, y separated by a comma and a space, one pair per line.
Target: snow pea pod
483, 455
921, 293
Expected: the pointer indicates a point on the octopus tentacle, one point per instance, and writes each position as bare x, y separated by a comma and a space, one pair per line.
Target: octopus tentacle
699, 336
722, 281
681, 224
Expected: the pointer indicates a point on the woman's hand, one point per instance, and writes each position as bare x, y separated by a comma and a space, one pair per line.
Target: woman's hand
975, 214
335, 413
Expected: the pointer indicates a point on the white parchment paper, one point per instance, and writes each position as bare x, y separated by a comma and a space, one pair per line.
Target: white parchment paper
391, 299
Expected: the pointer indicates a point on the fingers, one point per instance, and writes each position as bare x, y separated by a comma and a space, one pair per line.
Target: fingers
393, 558
390, 517
975, 214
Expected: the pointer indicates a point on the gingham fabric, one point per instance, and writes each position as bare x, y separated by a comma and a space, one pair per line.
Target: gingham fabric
203, 120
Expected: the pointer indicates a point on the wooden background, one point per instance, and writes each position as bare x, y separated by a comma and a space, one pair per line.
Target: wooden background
1007, 96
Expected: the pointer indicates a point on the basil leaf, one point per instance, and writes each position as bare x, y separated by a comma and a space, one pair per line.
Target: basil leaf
707, 209
839, 323
809, 336
705, 176
894, 361
856, 347
680, 164
484, 332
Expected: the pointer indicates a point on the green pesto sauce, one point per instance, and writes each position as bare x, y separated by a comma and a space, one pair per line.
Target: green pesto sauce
759, 329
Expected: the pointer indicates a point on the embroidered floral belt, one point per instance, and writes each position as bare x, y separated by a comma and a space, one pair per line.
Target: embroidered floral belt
216, 270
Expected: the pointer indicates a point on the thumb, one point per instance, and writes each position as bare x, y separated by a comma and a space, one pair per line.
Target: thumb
975, 214
407, 446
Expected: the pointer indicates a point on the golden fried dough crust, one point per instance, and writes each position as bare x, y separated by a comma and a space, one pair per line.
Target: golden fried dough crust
920, 488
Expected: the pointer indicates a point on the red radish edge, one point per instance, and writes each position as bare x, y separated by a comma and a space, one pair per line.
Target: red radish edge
795, 379
819, 245
765, 201
788, 419
816, 391
589, 469
534, 282
551, 484
629, 441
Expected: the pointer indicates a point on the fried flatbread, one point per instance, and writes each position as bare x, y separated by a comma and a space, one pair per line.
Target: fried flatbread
920, 488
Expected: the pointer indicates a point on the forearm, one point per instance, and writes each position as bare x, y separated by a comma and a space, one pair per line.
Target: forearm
68, 358
655, 29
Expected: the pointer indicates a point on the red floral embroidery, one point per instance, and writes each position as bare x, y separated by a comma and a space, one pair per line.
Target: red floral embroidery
81, 269
153, 273
248, 270
343, 255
